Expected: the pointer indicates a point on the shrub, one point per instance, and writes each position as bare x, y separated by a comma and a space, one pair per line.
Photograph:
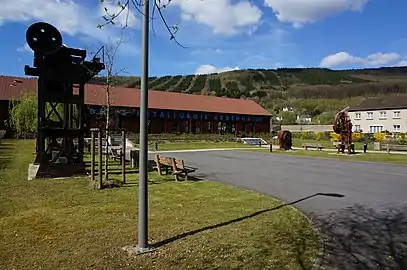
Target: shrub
334, 136
356, 136
379, 136
321, 136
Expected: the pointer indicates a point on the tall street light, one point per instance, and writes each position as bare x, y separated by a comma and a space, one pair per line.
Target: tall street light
143, 162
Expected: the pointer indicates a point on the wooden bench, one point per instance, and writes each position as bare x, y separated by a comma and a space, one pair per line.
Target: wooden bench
306, 146
393, 147
176, 165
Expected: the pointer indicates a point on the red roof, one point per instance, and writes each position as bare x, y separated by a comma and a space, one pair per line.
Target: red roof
14, 87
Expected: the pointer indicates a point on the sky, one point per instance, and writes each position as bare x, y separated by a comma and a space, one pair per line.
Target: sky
218, 35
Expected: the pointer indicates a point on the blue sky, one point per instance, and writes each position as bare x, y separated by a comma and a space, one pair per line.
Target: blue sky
221, 34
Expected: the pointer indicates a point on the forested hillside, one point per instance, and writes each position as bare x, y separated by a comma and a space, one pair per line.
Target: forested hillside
314, 91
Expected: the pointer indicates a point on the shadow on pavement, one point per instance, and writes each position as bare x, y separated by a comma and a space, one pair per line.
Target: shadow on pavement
364, 238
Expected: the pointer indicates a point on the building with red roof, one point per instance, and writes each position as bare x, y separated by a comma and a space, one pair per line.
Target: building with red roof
168, 111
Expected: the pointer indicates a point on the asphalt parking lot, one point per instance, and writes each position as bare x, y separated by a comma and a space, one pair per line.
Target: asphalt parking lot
359, 207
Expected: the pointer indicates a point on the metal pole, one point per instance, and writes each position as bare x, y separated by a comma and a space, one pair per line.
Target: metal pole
100, 153
92, 154
123, 157
143, 177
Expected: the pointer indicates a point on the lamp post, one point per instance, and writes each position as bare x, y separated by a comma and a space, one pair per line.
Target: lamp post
143, 161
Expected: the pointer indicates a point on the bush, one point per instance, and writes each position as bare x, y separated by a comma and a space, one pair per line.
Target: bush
357, 137
335, 136
379, 136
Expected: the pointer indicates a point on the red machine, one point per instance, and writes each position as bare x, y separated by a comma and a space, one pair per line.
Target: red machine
285, 139
343, 126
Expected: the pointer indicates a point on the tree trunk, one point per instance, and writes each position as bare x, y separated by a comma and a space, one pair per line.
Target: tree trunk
107, 126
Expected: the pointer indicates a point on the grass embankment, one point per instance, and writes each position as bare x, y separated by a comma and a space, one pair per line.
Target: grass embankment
66, 224
370, 156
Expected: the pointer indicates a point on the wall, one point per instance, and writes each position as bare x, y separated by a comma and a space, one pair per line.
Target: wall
307, 128
385, 119
180, 121
132, 123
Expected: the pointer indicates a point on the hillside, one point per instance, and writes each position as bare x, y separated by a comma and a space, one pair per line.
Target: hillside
313, 91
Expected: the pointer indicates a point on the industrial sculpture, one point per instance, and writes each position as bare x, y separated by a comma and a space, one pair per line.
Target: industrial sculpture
62, 74
343, 127
285, 139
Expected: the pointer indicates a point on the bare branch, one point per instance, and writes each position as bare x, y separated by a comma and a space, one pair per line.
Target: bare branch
158, 6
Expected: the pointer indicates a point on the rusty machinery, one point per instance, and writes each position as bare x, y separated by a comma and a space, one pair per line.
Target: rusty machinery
343, 127
62, 74
285, 139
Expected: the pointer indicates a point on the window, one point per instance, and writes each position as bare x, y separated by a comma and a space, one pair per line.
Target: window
376, 129
382, 115
358, 115
198, 126
369, 115
357, 128
396, 114
174, 126
186, 126
396, 128
209, 127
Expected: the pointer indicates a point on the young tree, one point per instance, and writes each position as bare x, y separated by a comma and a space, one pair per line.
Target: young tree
110, 51
23, 115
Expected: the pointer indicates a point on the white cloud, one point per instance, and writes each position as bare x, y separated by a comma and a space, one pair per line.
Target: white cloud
343, 58
24, 48
208, 69
223, 16
300, 12
402, 63
69, 17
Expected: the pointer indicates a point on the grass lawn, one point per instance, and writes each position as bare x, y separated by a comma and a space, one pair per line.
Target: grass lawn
66, 224
328, 144
372, 157
197, 145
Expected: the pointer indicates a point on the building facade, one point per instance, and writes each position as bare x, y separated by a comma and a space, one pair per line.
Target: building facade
169, 112
380, 114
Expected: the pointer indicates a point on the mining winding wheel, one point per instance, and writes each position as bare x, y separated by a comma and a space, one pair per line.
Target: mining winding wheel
285, 139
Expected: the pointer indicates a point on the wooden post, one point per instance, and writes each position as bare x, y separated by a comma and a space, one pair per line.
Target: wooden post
100, 161
92, 155
157, 160
123, 157
388, 148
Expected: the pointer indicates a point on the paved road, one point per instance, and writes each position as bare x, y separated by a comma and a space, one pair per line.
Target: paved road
369, 221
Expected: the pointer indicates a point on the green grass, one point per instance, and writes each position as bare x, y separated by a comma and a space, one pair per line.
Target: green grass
371, 157
66, 224
197, 145
328, 144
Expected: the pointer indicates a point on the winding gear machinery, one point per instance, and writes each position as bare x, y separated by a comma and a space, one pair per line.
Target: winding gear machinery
62, 74
343, 126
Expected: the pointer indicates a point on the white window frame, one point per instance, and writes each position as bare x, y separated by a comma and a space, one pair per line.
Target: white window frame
396, 114
396, 129
379, 129
367, 115
358, 116
382, 115
357, 128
